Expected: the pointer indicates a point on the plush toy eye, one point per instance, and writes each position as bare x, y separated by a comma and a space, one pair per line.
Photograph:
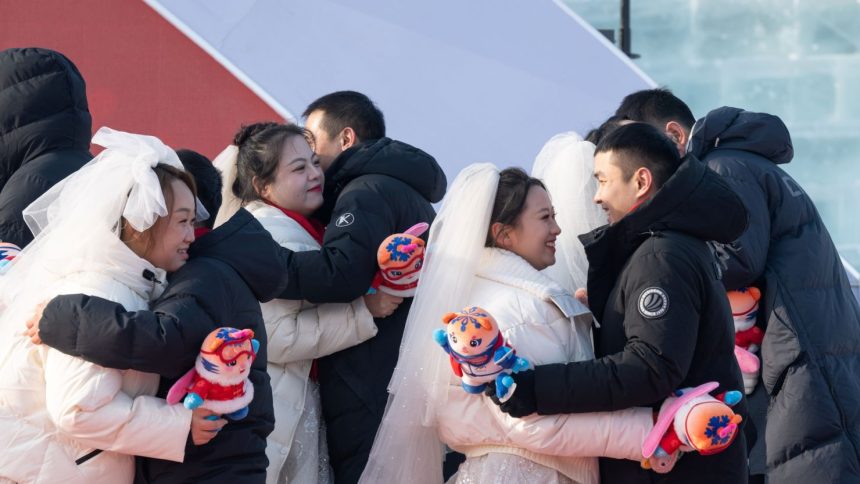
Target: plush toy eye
475, 343
396, 273
453, 339
232, 363
418, 264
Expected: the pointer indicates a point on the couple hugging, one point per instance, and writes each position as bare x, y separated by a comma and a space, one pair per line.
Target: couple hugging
659, 319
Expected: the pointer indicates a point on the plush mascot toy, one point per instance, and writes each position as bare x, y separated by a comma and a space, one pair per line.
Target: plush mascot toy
400, 257
8, 251
748, 336
691, 420
219, 379
478, 351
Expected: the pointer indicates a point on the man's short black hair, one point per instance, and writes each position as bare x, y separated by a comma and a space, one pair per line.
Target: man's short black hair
349, 109
208, 180
656, 107
639, 145
598, 133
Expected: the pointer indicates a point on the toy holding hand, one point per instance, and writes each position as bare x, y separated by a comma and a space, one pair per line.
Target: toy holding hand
219, 379
478, 351
400, 258
748, 336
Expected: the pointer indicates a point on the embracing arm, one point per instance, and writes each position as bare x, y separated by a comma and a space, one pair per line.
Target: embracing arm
86, 403
344, 267
302, 333
655, 359
608, 434
165, 340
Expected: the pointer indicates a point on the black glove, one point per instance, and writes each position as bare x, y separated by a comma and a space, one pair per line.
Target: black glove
523, 401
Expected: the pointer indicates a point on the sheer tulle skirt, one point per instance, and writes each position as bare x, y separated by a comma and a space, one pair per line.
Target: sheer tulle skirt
308, 460
495, 468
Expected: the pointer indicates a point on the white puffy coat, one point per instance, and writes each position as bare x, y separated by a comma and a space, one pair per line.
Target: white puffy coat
55, 408
545, 325
298, 332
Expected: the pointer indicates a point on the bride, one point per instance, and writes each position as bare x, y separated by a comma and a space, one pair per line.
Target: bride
494, 234
111, 229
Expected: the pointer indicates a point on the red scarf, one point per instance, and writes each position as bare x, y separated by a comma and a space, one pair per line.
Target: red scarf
316, 230
313, 227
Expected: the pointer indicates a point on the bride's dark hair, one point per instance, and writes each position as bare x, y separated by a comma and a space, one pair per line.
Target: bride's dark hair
514, 186
260, 146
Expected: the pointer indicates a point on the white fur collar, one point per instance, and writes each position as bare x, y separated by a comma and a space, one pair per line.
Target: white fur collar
505, 267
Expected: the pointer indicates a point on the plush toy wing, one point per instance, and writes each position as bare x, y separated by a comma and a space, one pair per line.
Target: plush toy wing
667, 416
180, 388
417, 229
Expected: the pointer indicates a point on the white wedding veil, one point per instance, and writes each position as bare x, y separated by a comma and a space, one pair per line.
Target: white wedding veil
565, 164
407, 448
226, 163
77, 223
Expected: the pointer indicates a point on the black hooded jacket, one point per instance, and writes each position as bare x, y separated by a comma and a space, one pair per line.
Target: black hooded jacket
665, 323
45, 130
810, 382
231, 271
372, 190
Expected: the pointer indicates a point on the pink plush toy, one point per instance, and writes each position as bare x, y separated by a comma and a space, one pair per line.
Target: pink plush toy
691, 420
748, 336
400, 258
219, 379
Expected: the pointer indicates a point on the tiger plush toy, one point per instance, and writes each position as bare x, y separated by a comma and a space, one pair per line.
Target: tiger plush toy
691, 421
219, 379
748, 337
400, 258
478, 351
8, 252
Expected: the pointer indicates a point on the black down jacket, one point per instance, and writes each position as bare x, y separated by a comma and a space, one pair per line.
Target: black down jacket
45, 129
665, 322
810, 384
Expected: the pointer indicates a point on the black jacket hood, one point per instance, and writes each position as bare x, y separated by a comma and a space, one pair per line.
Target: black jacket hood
396, 159
44, 107
694, 201
733, 128
243, 244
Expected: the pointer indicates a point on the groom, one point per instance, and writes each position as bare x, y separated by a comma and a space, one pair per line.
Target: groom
654, 286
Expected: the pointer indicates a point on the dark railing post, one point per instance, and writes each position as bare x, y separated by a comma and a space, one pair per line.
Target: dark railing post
624, 32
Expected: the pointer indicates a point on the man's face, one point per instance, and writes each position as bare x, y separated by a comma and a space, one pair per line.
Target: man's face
325, 147
615, 194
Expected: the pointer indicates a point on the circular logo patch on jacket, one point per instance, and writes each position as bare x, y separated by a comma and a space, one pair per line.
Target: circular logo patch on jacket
345, 220
653, 302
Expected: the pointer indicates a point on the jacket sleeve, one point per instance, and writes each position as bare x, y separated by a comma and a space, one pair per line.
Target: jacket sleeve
344, 268
165, 340
297, 332
470, 420
87, 404
658, 352
745, 258
20, 191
